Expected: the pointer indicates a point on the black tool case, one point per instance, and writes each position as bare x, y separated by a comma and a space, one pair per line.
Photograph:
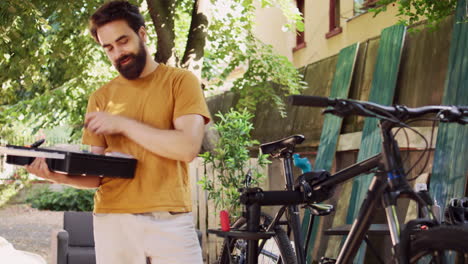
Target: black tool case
80, 163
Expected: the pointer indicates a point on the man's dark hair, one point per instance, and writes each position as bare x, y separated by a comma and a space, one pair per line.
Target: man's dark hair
116, 10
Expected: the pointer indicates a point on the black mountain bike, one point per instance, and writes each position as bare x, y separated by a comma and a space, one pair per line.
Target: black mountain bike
422, 240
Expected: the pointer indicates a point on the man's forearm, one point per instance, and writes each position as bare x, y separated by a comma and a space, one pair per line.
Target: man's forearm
172, 144
39, 168
81, 182
183, 142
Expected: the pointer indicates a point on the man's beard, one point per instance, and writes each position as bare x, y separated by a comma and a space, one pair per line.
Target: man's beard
134, 68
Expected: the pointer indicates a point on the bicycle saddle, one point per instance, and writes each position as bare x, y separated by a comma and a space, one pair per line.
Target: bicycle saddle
283, 144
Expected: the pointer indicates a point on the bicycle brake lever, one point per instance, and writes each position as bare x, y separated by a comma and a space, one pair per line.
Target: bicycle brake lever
463, 121
342, 109
333, 111
451, 115
329, 111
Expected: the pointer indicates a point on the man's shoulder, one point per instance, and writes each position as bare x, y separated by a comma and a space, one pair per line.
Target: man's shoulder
175, 72
105, 88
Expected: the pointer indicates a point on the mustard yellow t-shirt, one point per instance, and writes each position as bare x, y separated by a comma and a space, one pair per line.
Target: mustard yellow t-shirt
160, 184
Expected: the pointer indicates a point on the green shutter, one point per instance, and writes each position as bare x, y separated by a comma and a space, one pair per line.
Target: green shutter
382, 91
450, 168
331, 127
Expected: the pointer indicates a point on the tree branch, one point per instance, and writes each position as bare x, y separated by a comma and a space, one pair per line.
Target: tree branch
194, 51
162, 13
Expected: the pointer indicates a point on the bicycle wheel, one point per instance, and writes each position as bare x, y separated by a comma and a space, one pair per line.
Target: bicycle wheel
277, 249
442, 244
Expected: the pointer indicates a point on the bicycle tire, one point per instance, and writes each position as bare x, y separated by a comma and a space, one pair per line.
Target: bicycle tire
281, 241
442, 244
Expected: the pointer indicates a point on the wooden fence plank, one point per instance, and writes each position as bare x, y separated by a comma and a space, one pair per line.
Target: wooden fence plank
202, 213
382, 92
450, 170
331, 130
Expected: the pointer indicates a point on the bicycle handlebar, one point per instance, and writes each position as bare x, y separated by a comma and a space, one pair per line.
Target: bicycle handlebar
345, 107
312, 101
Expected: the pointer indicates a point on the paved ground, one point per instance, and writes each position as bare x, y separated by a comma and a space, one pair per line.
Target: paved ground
29, 229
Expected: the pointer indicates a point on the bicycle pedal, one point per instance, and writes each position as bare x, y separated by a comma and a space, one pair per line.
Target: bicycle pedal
324, 260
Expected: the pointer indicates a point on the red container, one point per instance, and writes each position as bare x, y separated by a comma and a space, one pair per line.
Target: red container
224, 219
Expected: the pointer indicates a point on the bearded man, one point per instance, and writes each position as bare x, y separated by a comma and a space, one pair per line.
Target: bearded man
156, 114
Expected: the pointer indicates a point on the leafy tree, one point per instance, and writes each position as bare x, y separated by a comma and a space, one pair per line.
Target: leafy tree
50, 65
412, 11
235, 43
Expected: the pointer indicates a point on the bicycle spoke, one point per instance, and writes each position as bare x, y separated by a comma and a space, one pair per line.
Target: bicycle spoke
269, 253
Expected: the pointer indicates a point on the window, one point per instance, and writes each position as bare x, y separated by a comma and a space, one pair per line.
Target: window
360, 6
370, 3
300, 40
334, 17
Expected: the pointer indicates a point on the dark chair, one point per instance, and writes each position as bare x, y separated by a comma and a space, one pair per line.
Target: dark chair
75, 244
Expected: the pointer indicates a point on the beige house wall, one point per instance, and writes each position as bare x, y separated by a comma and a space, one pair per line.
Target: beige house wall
354, 29
269, 23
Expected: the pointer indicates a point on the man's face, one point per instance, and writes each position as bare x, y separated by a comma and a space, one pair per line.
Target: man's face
125, 48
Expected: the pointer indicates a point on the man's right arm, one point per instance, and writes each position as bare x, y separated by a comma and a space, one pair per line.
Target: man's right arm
39, 167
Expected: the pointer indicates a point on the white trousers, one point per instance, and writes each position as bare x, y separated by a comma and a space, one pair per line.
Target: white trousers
131, 238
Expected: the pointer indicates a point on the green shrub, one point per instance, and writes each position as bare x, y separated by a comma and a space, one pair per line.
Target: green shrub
230, 161
10, 187
70, 199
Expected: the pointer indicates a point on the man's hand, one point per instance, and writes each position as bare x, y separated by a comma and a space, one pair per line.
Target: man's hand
102, 123
39, 168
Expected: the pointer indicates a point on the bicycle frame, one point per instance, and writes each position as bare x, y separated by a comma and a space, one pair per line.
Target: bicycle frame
388, 184
253, 216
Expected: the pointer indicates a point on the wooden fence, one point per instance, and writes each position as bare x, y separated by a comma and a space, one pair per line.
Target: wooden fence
205, 215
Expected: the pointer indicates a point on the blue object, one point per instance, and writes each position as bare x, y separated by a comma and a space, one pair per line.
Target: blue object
302, 163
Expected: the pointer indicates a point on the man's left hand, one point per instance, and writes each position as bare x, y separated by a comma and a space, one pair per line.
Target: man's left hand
102, 123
